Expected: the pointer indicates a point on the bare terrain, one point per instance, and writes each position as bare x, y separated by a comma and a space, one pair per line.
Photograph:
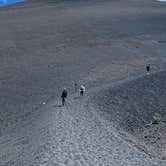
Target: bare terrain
131, 106
46, 45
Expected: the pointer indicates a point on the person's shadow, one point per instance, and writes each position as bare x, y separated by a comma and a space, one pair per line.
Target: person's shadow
58, 106
78, 97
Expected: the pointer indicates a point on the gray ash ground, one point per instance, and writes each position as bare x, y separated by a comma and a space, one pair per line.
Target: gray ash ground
46, 45
131, 106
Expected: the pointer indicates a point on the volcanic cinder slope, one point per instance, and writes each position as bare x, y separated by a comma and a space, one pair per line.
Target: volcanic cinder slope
131, 106
46, 45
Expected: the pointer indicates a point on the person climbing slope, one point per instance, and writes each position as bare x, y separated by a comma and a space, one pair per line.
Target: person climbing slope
82, 90
64, 96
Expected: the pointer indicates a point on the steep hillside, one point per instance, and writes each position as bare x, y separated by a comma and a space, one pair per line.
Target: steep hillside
132, 107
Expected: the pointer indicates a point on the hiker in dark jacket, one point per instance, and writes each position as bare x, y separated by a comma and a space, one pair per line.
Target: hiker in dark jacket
148, 68
64, 96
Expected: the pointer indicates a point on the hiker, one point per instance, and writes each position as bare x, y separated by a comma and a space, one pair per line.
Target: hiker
75, 86
64, 96
82, 90
148, 68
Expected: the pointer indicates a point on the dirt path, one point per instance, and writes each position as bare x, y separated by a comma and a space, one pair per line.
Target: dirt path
75, 135
78, 136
